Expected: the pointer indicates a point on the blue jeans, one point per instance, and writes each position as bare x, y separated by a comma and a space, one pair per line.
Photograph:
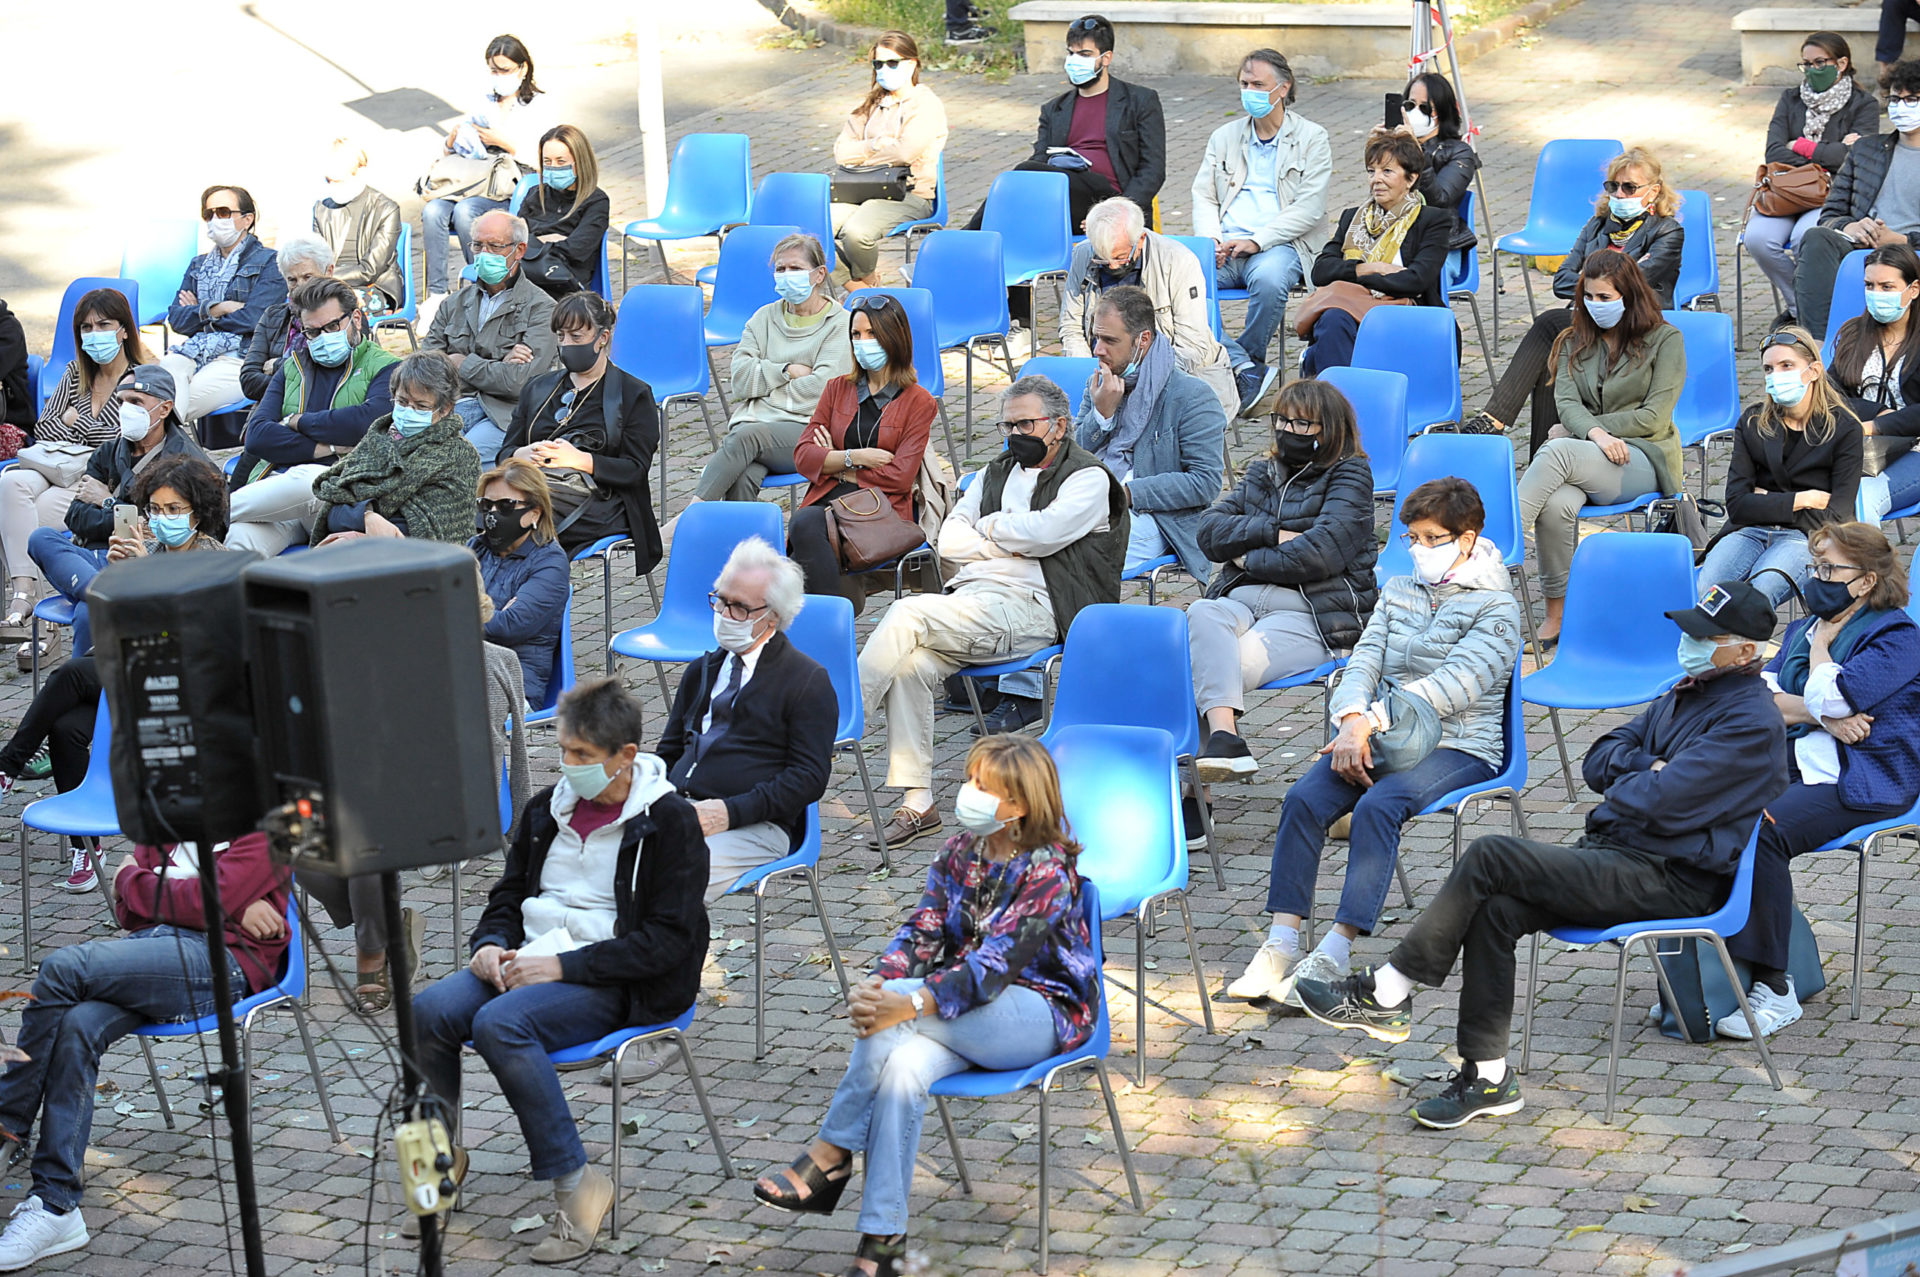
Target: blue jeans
1268, 277
1903, 480
1320, 797
69, 568
878, 1106
1742, 554
437, 220
486, 438
1333, 336
85, 998
513, 1032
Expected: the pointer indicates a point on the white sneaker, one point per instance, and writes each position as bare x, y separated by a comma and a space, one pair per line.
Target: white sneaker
1774, 1011
1266, 976
1318, 965
35, 1232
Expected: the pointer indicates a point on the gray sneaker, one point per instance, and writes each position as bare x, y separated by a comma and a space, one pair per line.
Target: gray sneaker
1318, 965
1269, 975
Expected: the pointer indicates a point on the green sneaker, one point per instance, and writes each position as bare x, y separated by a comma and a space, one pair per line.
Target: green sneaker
1347, 1003
39, 767
1467, 1097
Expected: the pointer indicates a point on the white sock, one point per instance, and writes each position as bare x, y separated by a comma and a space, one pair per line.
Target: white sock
563, 1186
1491, 1071
1337, 947
1288, 938
917, 800
1390, 988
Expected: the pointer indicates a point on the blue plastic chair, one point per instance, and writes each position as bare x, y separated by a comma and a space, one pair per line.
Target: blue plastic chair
963, 271
805, 865
1141, 652
409, 310
682, 630
1065, 371
1463, 281
155, 257
1508, 783
660, 337
521, 190
1566, 177
980, 1084
1324, 674
1379, 400
1032, 211
1849, 298
54, 609
1709, 404
798, 201
35, 366
1863, 842
1152, 570
563, 677
824, 630
1202, 248
742, 285
709, 188
1121, 790
934, 221
63, 348
1699, 255
1420, 341
1616, 644
1714, 927
927, 365
85, 811
287, 992
604, 549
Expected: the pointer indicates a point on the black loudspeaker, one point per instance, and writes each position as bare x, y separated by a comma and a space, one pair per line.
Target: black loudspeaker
371, 700
167, 641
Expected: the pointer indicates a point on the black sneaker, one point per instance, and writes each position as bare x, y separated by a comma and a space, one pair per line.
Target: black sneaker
1467, 1097
1254, 381
1481, 423
956, 701
1196, 829
1226, 757
972, 33
1347, 1003
1012, 714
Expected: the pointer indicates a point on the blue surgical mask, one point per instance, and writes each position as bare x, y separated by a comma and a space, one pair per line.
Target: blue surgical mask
558, 178
794, 286
100, 347
1081, 68
1884, 307
409, 422
1904, 116
490, 267
1625, 209
172, 530
894, 79
1256, 102
869, 354
588, 780
1785, 388
329, 350
1696, 655
1605, 314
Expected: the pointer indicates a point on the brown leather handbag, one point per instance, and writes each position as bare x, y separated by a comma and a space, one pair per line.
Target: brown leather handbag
1788, 190
1355, 299
865, 532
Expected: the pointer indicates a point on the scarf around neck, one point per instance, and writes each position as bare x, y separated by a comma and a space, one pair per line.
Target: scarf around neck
1375, 234
1136, 408
1796, 667
1822, 106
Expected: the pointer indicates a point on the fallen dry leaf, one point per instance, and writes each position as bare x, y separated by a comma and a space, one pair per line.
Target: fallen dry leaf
1639, 1205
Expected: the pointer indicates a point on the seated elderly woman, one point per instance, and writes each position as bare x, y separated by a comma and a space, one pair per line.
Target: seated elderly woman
1847, 680
1391, 249
523, 570
362, 228
595, 925
413, 474
994, 970
302, 259
1422, 711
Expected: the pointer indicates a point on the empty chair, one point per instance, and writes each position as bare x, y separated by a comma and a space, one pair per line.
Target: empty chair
155, 257
1699, 255
963, 271
802, 201
742, 284
1379, 401
708, 190
1423, 343
1565, 177
1709, 405
660, 337
1462, 281
1032, 212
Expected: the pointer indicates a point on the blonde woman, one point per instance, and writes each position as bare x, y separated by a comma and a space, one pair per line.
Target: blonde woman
566, 214
361, 226
899, 121
1635, 213
523, 569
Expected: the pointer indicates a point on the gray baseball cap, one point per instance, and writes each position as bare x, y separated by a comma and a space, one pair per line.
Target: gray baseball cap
149, 379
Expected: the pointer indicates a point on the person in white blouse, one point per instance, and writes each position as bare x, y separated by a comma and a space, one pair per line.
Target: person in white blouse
1040, 532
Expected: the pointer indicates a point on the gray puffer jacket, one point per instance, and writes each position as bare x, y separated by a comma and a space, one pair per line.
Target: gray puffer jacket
1454, 645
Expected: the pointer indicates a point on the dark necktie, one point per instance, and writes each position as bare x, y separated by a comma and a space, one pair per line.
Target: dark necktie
722, 708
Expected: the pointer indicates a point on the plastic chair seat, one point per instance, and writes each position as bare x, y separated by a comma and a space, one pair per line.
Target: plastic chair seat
1641, 502
1013, 665
1318, 674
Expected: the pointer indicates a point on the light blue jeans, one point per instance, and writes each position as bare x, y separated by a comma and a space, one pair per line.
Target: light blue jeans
1144, 544
1268, 277
1744, 553
882, 1100
486, 438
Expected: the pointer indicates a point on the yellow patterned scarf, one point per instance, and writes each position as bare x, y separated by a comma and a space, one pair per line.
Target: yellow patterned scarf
1374, 234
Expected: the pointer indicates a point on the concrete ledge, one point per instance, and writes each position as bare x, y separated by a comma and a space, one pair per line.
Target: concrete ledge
1160, 39
1770, 39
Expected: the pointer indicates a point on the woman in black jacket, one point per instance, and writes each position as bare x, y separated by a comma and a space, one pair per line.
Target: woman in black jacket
562, 957
1394, 246
593, 429
1634, 214
1876, 365
1295, 546
566, 214
1815, 122
1432, 115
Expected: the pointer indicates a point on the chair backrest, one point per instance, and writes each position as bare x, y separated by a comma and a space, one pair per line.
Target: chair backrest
1422, 342
1379, 400
1119, 787
824, 631
709, 183
1140, 652
1033, 214
1620, 588
294, 981
744, 281
918, 303
1699, 255
35, 365
803, 201
705, 537
660, 337
155, 257
521, 190
1849, 298
1710, 397
1566, 178
403, 256
939, 215
1202, 248
1485, 461
963, 272
1065, 371
1463, 264
563, 675
63, 349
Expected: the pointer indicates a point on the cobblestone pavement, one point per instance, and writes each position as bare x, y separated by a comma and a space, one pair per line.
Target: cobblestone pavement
1271, 1147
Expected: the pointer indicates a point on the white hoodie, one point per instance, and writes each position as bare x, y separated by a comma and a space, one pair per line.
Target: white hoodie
576, 880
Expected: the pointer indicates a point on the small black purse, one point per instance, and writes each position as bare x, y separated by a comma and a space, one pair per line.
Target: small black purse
858, 183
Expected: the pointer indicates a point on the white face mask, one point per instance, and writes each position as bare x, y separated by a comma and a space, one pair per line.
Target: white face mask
1419, 121
1904, 115
223, 232
1431, 563
977, 811
506, 86
135, 422
734, 636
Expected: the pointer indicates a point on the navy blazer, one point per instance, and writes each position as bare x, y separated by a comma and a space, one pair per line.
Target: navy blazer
1881, 677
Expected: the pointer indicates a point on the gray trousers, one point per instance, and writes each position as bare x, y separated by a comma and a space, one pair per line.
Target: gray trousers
751, 451
1253, 635
732, 852
1821, 250
859, 228
1565, 475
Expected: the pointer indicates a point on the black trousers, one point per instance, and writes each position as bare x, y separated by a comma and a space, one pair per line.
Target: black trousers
1805, 817
1506, 888
808, 546
1526, 376
61, 717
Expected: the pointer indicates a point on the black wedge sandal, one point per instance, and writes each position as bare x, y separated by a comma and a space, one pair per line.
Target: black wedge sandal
885, 1253
823, 1187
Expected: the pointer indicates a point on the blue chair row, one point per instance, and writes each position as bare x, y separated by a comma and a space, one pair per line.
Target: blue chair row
660, 337
794, 201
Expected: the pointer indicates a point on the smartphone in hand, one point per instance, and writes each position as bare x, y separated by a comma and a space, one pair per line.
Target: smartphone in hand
1394, 118
126, 520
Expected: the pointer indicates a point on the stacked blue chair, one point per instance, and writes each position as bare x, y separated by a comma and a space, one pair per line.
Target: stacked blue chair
805, 865
1709, 404
1849, 298
824, 630
799, 201
1699, 255
934, 221
1463, 281
963, 271
1423, 343
919, 305
409, 310
155, 257
743, 283
709, 188
63, 348
1379, 401
1566, 178
980, 1084
85, 811
660, 338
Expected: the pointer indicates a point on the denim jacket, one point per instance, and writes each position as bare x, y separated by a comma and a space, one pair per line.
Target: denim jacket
257, 284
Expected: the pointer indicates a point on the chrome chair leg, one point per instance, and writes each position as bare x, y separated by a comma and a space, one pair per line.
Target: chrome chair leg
1046, 1149
1119, 1134
159, 1090
873, 805
760, 968
826, 929
1533, 985
706, 1109
1193, 951
1560, 742
313, 1063
1860, 926
1206, 819
1753, 1025
1140, 1022
1619, 1013
953, 1142
26, 904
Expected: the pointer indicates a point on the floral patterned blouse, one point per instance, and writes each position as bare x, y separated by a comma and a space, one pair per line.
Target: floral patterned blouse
983, 925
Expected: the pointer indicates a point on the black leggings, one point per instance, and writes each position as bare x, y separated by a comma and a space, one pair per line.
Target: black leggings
61, 718
1527, 375
808, 546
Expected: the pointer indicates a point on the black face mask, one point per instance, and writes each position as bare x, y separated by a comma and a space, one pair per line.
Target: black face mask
1295, 450
579, 358
1028, 450
1826, 599
500, 530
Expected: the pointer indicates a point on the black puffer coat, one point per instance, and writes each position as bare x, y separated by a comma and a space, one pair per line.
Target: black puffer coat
1330, 561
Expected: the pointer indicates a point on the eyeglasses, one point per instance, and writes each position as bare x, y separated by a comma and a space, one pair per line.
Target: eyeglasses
480, 246
313, 330
1412, 539
871, 301
1825, 571
886, 64
1624, 188
219, 210
1023, 425
1906, 99
732, 609
1297, 425
494, 506
1815, 64
183, 508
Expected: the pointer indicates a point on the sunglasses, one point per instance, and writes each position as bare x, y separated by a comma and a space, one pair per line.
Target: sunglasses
887, 64
1781, 339
1624, 188
219, 210
492, 506
870, 301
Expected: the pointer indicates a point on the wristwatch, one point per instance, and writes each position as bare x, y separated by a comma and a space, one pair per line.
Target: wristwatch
919, 1004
